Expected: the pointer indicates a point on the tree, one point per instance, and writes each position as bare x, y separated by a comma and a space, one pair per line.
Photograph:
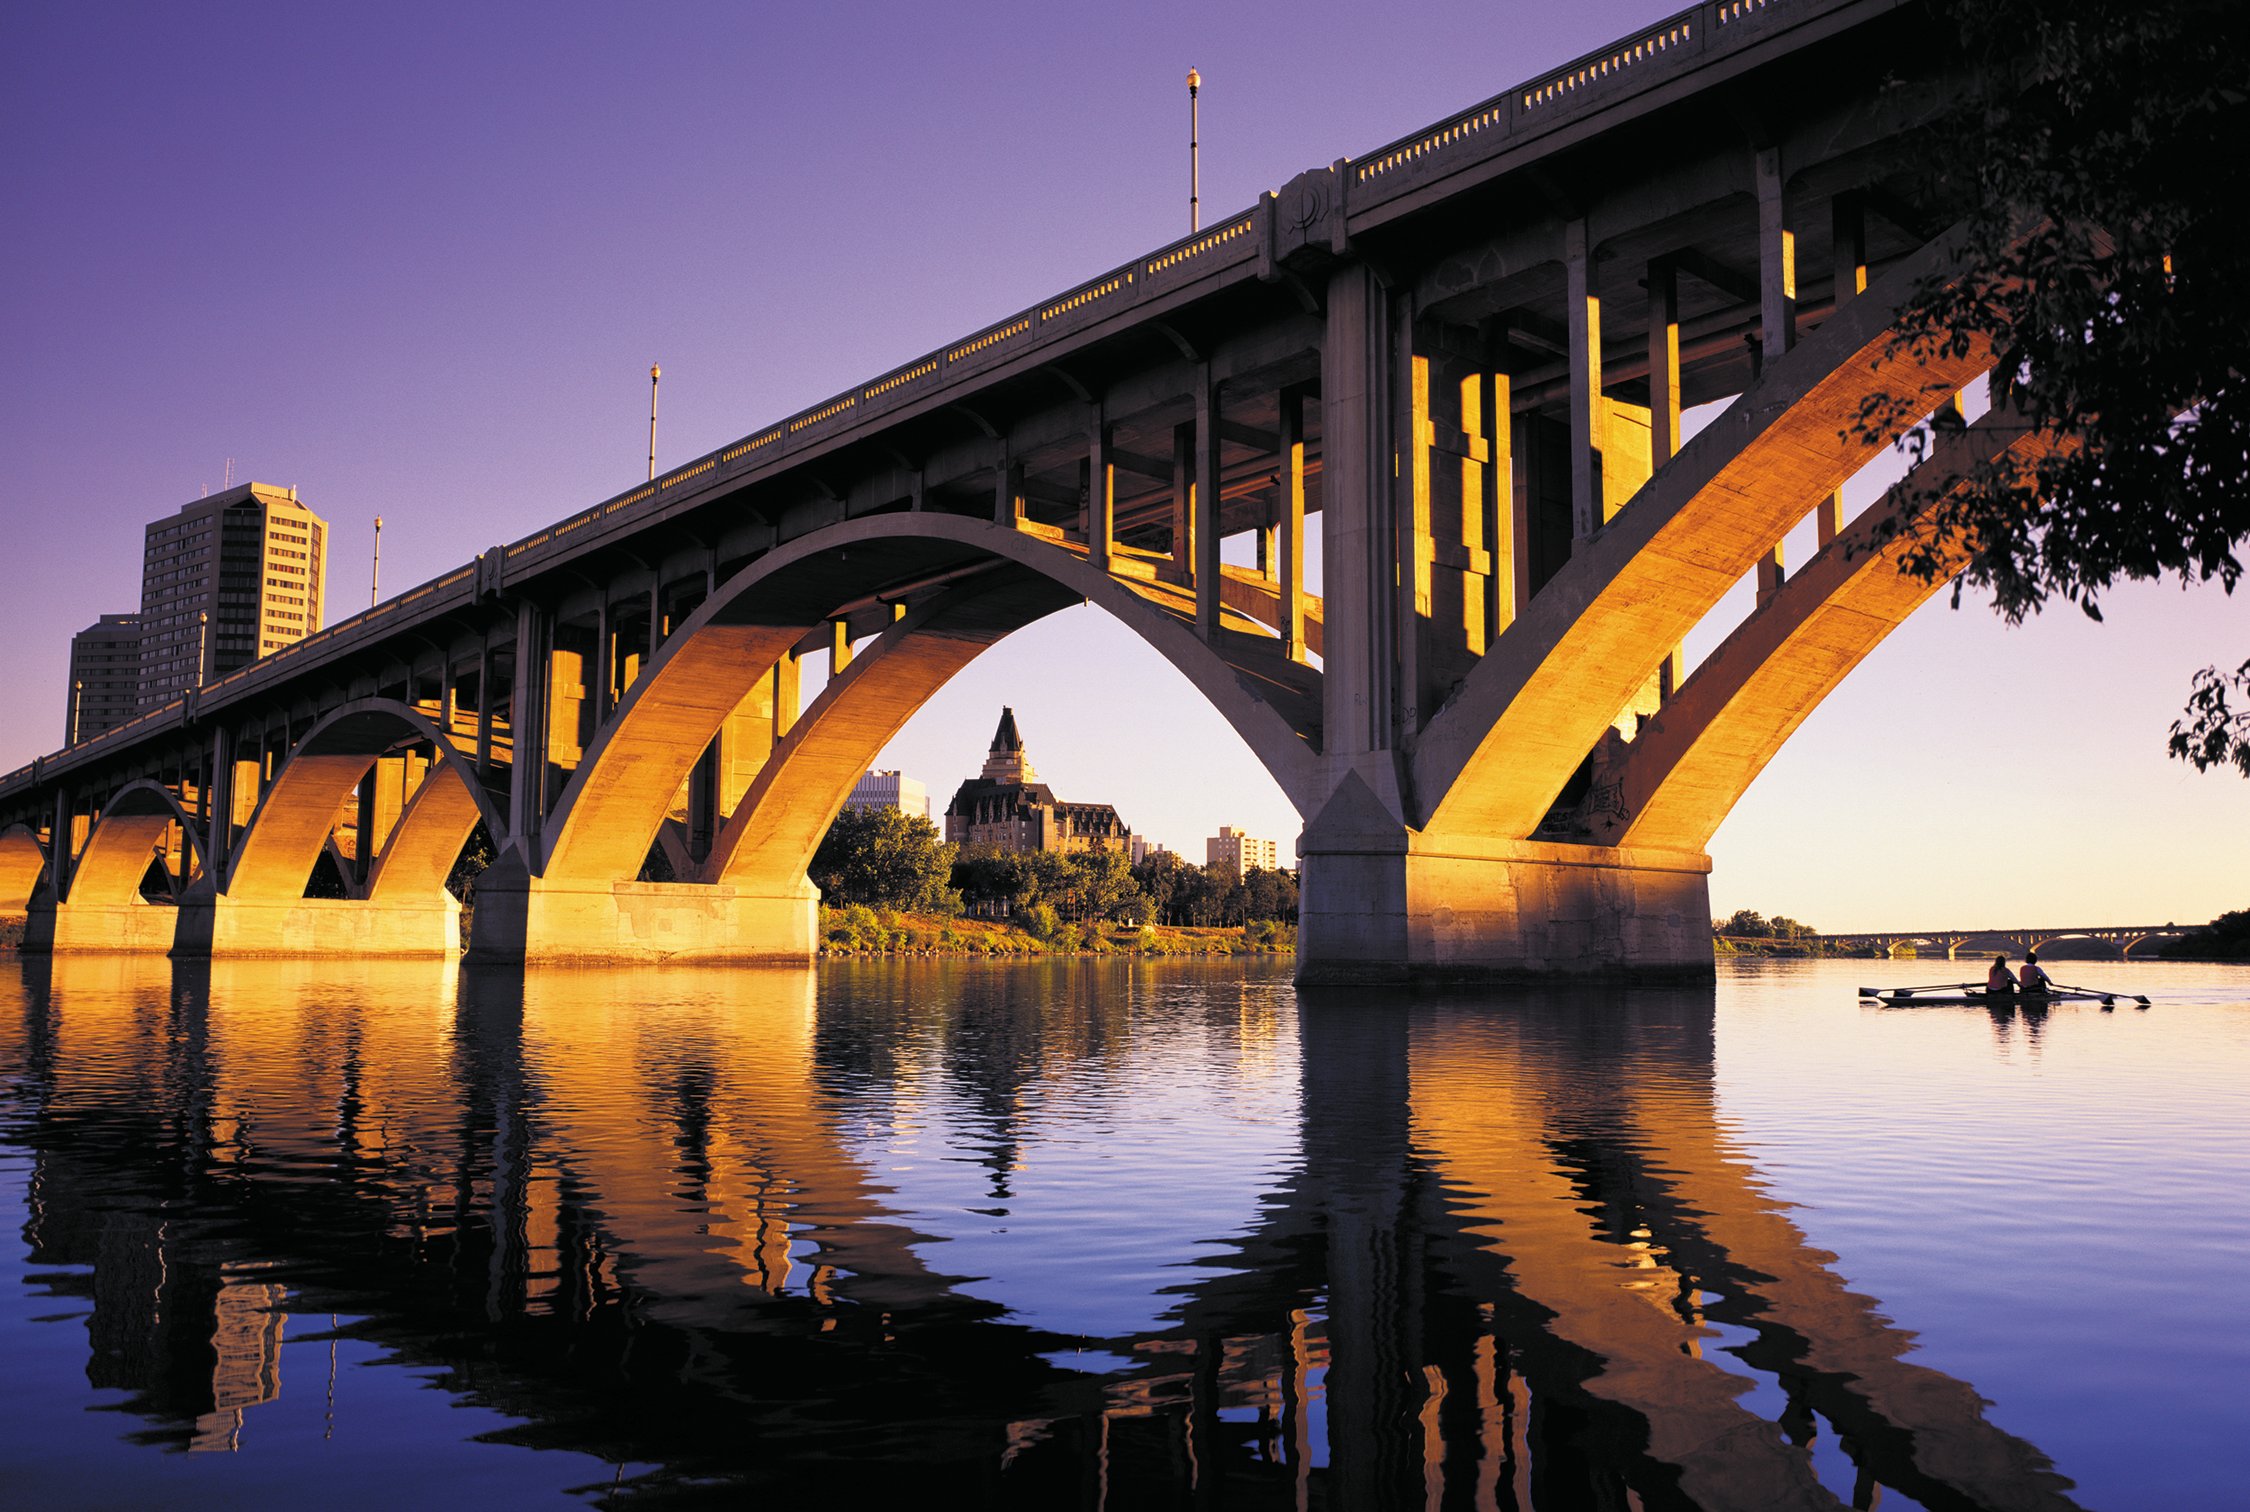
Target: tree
885, 859
1270, 895
2101, 170
1743, 923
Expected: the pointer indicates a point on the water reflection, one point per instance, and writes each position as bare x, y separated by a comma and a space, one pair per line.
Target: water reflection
1088, 1235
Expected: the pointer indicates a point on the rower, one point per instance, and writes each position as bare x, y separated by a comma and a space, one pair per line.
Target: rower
1999, 981
2033, 979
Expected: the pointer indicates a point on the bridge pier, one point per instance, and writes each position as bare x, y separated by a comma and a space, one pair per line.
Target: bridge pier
212, 924
132, 927
1500, 911
532, 919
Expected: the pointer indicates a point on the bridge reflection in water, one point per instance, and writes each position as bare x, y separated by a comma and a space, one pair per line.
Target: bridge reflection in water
763, 1229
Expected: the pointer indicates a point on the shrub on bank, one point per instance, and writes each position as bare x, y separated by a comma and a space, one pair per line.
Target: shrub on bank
856, 929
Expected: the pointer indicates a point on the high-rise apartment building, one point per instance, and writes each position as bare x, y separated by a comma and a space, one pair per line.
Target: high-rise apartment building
890, 790
225, 581
1239, 853
105, 677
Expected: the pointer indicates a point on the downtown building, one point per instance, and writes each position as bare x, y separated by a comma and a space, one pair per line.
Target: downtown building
105, 677
228, 579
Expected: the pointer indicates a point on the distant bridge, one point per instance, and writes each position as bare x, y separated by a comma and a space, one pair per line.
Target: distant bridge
2125, 937
1466, 353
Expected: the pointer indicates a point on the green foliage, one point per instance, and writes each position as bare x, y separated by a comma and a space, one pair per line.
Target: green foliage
881, 857
1209, 896
2112, 284
476, 856
2226, 938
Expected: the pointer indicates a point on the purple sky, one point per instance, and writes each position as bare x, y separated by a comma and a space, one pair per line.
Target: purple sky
416, 260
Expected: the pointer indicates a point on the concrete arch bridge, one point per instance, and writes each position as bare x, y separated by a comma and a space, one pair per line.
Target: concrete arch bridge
1444, 380
1958, 944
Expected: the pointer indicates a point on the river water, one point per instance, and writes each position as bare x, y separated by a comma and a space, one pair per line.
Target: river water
1115, 1234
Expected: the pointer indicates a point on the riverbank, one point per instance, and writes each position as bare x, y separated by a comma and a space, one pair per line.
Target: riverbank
857, 930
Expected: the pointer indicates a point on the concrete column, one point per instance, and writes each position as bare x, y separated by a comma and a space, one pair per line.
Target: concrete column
1770, 573
605, 677
363, 829
839, 646
1663, 361
1828, 517
1355, 517
1585, 341
484, 705
1777, 260
1671, 674
1848, 222
218, 832
1410, 485
1205, 557
1182, 566
62, 848
1101, 493
527, 772
1290, 545
1502, 524
785, 695
1007, 493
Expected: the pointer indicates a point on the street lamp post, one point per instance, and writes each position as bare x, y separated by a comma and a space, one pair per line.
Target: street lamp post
654, 373
375, 577
1195, 169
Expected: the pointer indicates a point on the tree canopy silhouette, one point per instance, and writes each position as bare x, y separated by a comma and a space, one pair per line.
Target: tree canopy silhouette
2104, 168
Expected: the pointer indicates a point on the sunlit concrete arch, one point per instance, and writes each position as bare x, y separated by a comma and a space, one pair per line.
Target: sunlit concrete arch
1493, 760
298, 809
1695, 759
23, 861
100, 907
259, 907
133, 824
610, 812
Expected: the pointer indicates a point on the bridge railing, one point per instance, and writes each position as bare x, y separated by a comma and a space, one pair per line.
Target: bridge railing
1640, 61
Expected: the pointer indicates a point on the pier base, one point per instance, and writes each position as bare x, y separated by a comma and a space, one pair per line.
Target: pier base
134, 928
1398, 909
216, 925
521, 918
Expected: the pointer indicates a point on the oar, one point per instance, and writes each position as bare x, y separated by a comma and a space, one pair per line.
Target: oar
1910, 991
2106, 995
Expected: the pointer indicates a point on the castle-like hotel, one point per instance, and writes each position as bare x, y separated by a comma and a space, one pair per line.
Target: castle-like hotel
1008, 808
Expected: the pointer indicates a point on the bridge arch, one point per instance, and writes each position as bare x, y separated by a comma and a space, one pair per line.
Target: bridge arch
1496, 756
23, 861
134, 823
298, 809
967, 583
1695, 759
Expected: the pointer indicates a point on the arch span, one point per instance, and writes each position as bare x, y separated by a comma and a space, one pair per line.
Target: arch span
23, 861
298, 809
611, 810
770, 839
1494, 759
133, 824
102, 908
1693, 762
